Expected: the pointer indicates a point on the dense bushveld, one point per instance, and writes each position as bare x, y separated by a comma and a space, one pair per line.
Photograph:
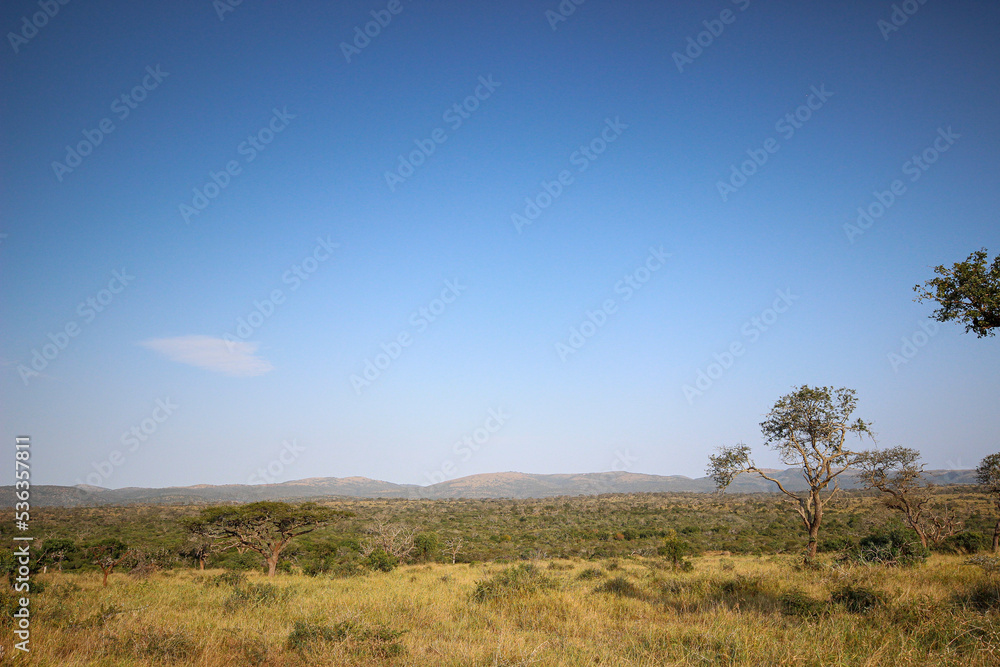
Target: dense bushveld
610, 580
511, 530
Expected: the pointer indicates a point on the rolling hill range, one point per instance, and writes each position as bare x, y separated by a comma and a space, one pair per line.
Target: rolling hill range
490, 485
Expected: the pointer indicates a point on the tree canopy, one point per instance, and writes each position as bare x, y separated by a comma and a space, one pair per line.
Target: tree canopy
969, 291
266, 527
807, 427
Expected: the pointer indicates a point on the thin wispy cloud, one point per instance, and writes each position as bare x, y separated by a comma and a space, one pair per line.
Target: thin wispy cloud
235, 358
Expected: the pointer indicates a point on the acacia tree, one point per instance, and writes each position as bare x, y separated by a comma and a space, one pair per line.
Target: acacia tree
969, 291
107, 554
807, 427
200, 540
988, 476
896, 473
266, 527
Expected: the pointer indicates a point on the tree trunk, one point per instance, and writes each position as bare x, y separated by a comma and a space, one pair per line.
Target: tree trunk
106, 573
814, 522
272, 563
996, 537
201, 563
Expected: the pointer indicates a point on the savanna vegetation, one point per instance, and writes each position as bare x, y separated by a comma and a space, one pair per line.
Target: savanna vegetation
642, 579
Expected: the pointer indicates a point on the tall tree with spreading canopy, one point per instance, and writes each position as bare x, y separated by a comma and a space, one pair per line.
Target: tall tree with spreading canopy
969, 291
988, 476
807, 427
897, 474
266, 527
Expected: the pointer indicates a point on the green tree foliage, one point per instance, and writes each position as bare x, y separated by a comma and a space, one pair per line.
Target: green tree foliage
988, 476
807, 427
969, 291
425, 546
266, 527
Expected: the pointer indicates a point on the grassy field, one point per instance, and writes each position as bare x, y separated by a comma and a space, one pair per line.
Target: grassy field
726, 610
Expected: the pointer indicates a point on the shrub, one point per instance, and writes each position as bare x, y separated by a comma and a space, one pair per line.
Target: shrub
675, 550
256, 595
523, 579
964, 543
894, 547
982, 596
619, 586
590, 573
345, 569
857, 599
989, 564
381, 561
377, 640
230, 578
798, 603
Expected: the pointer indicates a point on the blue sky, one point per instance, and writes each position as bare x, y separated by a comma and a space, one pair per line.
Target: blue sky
245, 171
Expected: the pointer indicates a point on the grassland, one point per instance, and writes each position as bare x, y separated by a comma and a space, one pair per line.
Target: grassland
633, 611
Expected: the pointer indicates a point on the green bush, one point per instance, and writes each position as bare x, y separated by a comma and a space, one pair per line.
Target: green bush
799, 603
590, 573
514, 581
381, 561
893, 547
621, 587
964, 543
857, 599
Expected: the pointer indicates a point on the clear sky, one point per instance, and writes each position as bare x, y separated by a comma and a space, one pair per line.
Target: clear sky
484, 237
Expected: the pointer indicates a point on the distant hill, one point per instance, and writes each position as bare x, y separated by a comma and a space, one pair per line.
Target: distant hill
490, 485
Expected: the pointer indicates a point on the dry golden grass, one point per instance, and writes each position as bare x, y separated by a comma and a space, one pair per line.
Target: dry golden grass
728, 611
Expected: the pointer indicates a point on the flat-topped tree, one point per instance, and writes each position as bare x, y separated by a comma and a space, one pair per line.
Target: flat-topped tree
807, 427
266, 527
